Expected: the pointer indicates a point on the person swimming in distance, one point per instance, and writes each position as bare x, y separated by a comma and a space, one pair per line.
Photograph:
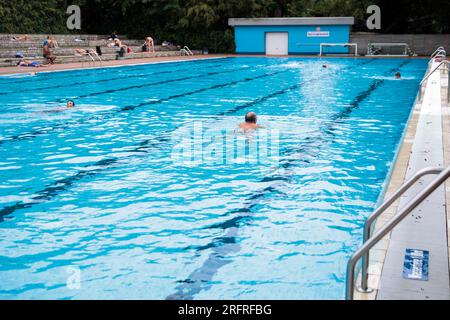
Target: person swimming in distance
398, 75
250, 122
70, 104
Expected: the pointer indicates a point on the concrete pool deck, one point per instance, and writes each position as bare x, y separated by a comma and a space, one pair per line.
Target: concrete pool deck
426, 143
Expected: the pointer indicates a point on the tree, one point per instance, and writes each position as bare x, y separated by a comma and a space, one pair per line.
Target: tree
204, 23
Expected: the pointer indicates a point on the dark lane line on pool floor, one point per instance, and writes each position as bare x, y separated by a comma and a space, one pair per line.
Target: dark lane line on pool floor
48, 76
281, 92
107, 162
52, 87
144, 146
70, 123
223, 246
99, 93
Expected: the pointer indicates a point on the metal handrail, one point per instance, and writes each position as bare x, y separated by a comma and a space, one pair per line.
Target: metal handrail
95, 54
92, 55
88, 55
382, 208
188, 50
441, 54
413, 204
439, 51
446, 62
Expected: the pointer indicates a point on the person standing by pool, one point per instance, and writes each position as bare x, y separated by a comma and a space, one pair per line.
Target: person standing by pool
113, 36
147, 44
250, 122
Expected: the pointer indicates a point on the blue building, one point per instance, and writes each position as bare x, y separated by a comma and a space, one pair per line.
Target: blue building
283, 36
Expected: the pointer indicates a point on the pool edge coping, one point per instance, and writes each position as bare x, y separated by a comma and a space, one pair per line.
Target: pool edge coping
398, 175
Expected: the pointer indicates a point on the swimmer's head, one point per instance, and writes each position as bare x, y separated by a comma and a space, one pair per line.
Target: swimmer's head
398, 75
250, 117
70, 104
324, 66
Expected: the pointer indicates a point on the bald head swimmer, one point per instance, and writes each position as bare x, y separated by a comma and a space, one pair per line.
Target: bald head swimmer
250, 122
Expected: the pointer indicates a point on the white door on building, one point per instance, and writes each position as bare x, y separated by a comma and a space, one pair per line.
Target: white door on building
277, 43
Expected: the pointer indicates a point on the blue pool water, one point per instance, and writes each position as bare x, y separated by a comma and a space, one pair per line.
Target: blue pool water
93, 204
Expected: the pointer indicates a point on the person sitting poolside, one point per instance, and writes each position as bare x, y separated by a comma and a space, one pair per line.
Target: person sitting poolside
84, 52
47, 53
398, 75
21, 38
53, 43
116, 43
147, 44
50, 42
28, 63
250, 122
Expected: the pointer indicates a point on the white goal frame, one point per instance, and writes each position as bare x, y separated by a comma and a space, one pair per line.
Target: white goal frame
386, 44
338, 45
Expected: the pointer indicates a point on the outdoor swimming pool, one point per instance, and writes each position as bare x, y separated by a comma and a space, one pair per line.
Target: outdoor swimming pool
97, 203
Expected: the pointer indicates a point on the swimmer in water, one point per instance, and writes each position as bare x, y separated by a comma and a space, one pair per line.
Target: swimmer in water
250, 122
70, 104
398, 75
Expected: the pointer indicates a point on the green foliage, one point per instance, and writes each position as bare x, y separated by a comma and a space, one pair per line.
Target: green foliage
24, 16
204, 23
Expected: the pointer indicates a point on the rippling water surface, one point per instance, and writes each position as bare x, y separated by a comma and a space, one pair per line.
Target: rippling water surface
94, 206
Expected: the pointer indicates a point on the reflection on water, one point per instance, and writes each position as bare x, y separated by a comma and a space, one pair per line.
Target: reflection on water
95, 207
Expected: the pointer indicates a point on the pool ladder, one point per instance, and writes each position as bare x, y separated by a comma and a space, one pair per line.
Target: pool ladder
369, 240
92, 58
439, 53
186, 51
